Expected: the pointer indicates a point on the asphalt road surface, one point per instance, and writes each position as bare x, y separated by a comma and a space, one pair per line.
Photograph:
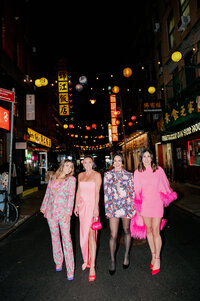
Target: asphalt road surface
27, 270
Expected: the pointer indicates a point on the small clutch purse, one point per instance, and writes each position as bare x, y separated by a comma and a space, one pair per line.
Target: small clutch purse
96, 225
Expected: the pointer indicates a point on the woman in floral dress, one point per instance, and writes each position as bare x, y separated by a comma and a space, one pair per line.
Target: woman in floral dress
118, 199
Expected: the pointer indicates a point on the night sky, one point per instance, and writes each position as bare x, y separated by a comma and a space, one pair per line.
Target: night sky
94, 38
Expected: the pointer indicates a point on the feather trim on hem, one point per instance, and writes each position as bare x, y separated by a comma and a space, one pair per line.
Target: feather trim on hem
138, 229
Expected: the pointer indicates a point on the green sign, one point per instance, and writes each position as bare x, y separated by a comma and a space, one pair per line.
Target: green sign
184, 113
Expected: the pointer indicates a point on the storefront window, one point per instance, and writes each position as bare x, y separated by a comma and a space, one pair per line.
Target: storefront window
194, 152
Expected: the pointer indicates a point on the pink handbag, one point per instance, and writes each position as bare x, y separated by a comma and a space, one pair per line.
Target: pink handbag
96, 225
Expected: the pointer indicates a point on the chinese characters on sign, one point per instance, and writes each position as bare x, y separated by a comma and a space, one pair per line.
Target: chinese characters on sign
113, 109
177, 115
154, 106
63, 95
30, 107
38, 138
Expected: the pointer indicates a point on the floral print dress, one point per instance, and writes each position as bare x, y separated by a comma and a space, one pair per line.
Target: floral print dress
119, 194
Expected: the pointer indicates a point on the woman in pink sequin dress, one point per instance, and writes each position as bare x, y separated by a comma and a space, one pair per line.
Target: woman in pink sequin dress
87, 208
152, 193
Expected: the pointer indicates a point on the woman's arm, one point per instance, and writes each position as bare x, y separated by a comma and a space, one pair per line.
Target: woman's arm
46, 198
107, 193
98, 182
77, 197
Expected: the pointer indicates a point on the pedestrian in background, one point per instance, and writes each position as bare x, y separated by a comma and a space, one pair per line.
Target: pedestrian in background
119, 204
57, 207
87, 208
152, 193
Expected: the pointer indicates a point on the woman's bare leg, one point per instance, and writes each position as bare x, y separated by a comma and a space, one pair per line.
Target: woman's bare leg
92, 251
150, 238
157, 240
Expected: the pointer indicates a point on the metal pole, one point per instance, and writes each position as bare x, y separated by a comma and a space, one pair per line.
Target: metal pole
11, 146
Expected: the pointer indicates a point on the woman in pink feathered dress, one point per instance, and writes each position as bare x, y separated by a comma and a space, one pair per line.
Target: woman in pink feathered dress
152, 194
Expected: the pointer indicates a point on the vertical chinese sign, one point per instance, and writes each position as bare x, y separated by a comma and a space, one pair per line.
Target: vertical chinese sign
113, 109
63, 94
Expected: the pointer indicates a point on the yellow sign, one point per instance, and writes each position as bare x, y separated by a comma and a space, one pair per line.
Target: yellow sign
38, 138
64, 109
63, 98
62, 76
62, 87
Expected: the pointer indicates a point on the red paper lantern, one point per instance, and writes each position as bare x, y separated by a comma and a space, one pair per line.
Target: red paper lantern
130, 123
88, 128
94, 126
133, 118
71, 126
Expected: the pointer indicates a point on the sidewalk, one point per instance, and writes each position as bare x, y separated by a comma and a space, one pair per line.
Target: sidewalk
188, 200
30, 205
188, 197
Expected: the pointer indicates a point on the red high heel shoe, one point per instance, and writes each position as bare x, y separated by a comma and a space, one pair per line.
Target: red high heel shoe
92, 277
154, 272
88, 266
151, 265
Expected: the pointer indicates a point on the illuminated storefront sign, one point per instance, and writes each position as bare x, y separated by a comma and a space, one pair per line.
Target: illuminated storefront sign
4, 119
180, 134
38, 138
184, 112
113, 109
63, 95
153, 106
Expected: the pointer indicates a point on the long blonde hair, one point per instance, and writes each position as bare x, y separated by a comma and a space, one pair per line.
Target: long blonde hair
60, 169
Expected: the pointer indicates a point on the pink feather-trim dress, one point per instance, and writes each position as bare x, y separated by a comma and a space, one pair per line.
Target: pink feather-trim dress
152, 192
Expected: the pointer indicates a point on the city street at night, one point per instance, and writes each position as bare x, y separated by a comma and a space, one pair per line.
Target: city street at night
28, 273
100, 131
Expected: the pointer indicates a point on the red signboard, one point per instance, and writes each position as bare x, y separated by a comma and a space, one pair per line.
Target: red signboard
4, 119
7, 95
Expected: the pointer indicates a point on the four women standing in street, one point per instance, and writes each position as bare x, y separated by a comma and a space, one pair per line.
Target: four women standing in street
147, 192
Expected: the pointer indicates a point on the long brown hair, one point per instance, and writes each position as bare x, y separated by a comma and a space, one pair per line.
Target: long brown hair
60, 169
141, 166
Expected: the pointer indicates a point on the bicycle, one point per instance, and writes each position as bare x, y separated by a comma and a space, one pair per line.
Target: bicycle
9, 213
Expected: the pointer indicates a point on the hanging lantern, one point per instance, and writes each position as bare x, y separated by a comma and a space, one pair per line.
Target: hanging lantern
127, 72
94, 126
130, 123
83, 80
117, 122
71, 126
44, 81
38, 83
65, 126
76, 136
79, 87
133, 118
115, 89
176, 56
92, 101
88, 128
151, 90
